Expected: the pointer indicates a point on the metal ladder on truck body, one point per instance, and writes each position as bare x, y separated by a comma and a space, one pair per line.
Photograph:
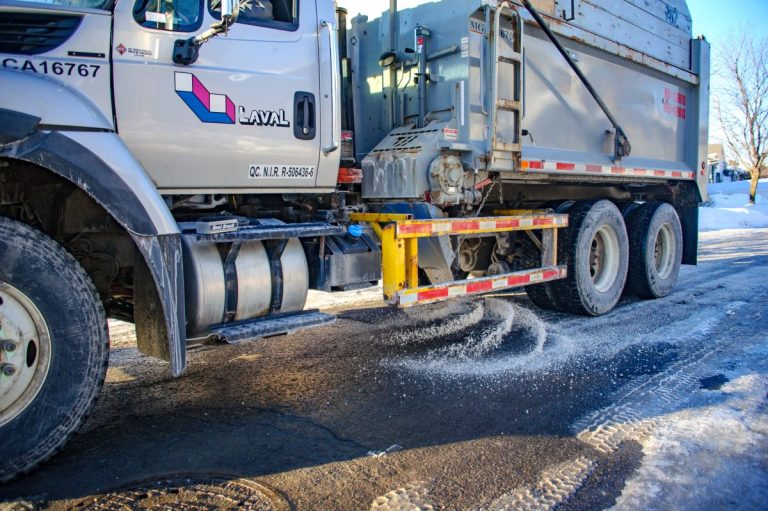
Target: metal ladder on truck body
506, 82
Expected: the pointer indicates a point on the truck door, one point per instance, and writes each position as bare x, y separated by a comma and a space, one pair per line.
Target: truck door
242, 117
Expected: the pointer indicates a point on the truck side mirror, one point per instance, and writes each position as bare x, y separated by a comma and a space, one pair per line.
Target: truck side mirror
185, 51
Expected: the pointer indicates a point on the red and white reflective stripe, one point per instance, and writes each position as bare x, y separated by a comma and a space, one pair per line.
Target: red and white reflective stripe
590, 169
469, 287
421, 228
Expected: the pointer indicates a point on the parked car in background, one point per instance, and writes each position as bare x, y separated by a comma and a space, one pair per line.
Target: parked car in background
735, 175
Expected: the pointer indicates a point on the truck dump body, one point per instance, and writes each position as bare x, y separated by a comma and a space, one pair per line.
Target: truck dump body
639, 56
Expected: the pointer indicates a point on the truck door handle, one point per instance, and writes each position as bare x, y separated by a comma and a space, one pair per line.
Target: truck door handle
304, 125
305, 110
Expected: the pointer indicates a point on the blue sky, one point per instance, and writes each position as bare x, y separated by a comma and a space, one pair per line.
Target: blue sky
716, 19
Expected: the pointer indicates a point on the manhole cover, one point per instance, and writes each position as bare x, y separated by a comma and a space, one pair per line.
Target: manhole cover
190, 493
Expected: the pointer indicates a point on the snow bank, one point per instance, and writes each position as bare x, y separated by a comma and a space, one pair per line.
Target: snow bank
729, 207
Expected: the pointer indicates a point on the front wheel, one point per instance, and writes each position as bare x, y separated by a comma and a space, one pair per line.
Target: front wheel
53, 347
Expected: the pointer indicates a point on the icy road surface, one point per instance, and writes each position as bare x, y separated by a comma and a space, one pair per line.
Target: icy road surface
486, 404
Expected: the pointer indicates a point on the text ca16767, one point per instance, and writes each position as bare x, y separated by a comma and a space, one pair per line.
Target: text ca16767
57, 68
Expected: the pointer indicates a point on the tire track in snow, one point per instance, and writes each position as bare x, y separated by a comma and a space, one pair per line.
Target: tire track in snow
556, 485
632, 416
412, 497
720, 433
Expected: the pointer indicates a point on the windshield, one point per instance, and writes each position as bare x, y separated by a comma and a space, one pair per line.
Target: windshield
90, 4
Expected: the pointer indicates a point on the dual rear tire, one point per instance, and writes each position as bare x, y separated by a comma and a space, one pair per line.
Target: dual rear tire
656, 248
607, 257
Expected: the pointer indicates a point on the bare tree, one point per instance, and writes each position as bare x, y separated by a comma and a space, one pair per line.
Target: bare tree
741, 103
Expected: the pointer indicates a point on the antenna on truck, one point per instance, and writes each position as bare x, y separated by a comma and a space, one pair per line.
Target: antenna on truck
621, 146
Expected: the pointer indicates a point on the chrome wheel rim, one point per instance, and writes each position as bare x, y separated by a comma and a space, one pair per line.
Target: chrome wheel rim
604, 258
25, 352
664, 251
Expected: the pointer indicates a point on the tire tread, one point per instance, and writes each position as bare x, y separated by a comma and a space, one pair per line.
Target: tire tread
66, 267
638, 224
567, 291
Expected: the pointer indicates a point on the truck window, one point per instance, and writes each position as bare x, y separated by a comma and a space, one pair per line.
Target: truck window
277, 14
173, 15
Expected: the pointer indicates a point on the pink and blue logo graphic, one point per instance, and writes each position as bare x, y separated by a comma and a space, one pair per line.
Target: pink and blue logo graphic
212, 108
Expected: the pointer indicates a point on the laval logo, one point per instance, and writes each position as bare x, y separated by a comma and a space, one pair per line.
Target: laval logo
214, 108
121, 49
218, 108
263, 118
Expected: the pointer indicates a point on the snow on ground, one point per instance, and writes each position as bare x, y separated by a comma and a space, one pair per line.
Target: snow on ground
730, 207
711, 453
322, 300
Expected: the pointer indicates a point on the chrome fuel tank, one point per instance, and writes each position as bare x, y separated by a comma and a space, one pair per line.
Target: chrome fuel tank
217, 293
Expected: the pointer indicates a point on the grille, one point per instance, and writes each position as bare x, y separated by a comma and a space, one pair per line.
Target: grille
410, 140
34, 33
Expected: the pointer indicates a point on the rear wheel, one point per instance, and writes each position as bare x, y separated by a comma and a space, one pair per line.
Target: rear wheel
596, 248
545, 295
656, 250
540, 295
53, 347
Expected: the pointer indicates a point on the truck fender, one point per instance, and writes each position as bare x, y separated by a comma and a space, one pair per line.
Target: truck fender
98, 162
55, 103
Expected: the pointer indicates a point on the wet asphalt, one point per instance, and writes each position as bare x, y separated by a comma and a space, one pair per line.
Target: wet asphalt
456, 405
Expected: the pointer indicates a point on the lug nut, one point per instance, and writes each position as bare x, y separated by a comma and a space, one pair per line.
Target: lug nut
9, 346
7, 369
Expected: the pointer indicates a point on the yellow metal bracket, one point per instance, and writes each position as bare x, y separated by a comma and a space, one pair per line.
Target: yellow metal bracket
399, 257
400, 235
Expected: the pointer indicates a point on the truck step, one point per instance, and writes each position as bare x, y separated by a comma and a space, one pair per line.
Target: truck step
266, 231
233, 333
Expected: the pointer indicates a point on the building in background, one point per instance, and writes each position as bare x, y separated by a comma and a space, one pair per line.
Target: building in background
719, 169
716, 162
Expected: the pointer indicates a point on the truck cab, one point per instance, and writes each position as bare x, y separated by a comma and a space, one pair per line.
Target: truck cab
265, 88
192, 197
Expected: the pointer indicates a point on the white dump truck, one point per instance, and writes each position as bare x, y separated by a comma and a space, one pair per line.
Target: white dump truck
195, 166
